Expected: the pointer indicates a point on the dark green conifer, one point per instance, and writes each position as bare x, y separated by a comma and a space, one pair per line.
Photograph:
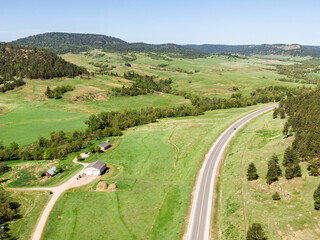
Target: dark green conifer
256, 232
276, 196
316, 197
274, 170
252, 172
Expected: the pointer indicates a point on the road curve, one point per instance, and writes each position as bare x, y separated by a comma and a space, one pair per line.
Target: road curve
199, 221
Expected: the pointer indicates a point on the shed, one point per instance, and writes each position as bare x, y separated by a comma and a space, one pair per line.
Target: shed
95, 168
50, 172
105, 146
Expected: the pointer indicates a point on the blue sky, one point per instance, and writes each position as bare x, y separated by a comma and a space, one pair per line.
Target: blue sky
176, 21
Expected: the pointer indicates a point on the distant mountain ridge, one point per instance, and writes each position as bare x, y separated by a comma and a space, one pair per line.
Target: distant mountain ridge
263, 49
61, 43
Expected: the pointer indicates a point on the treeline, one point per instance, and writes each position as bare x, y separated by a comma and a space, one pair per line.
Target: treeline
143, 84
34, 63
58, 91
128, 91
105, 124
303, 112
300, 72
7, 84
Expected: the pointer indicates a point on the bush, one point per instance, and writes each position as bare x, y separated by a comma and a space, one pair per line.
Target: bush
256, 232
276, 196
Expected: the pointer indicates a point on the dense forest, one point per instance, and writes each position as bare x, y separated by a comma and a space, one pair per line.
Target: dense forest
17, 61
61, 43
303, 112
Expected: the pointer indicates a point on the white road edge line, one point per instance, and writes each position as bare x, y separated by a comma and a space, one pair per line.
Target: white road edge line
188, 234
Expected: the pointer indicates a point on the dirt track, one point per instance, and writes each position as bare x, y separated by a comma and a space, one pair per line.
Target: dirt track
56, 193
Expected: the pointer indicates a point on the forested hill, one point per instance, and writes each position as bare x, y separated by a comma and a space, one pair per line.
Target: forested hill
68, 42
34, 63
61, 43
264, 49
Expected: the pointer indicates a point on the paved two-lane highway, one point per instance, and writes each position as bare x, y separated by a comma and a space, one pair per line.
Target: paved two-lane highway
199, 222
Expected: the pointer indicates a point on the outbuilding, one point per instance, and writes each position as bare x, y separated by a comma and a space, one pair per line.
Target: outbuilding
50, 172
105, 146
95, 168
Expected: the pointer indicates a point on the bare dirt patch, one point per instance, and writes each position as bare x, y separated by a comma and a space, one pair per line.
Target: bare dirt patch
89, 94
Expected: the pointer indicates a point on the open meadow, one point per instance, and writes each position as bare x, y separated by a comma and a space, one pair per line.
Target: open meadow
26, 113
160, 162
243, 202
154, 165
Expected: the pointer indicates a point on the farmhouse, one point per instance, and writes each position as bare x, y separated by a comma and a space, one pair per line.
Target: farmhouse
50, 172
95, 168
105, 146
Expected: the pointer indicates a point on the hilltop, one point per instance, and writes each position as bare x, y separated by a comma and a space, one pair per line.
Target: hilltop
62, 43
264, 49
18, 61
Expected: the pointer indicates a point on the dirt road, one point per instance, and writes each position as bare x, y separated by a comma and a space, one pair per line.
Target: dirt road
56, 193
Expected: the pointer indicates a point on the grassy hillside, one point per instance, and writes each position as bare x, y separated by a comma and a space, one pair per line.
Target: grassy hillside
243, 202
159, 162
26, 113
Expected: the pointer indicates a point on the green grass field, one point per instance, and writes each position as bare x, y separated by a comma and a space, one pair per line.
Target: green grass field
160, 162
31, 205
293, 218
28, 173
26, 114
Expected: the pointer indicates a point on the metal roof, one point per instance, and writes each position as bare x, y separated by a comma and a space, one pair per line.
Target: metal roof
105, 145
52, 170
98, 165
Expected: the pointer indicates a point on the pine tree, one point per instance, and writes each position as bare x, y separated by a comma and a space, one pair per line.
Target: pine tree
275, 159
285, 130
316, 197
282, 113
276, 196
252, 172
297, 170
274, 170
256, 232
275, 113
313, 168
286, 157
292, 171
289, 172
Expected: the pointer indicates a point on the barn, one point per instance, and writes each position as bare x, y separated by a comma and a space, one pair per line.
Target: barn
95, 168
50, 172
105, 146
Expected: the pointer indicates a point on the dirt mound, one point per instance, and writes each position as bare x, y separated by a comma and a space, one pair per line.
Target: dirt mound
102, 186
112, 187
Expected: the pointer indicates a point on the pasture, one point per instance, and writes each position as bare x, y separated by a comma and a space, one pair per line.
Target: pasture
243, 203
160, 162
